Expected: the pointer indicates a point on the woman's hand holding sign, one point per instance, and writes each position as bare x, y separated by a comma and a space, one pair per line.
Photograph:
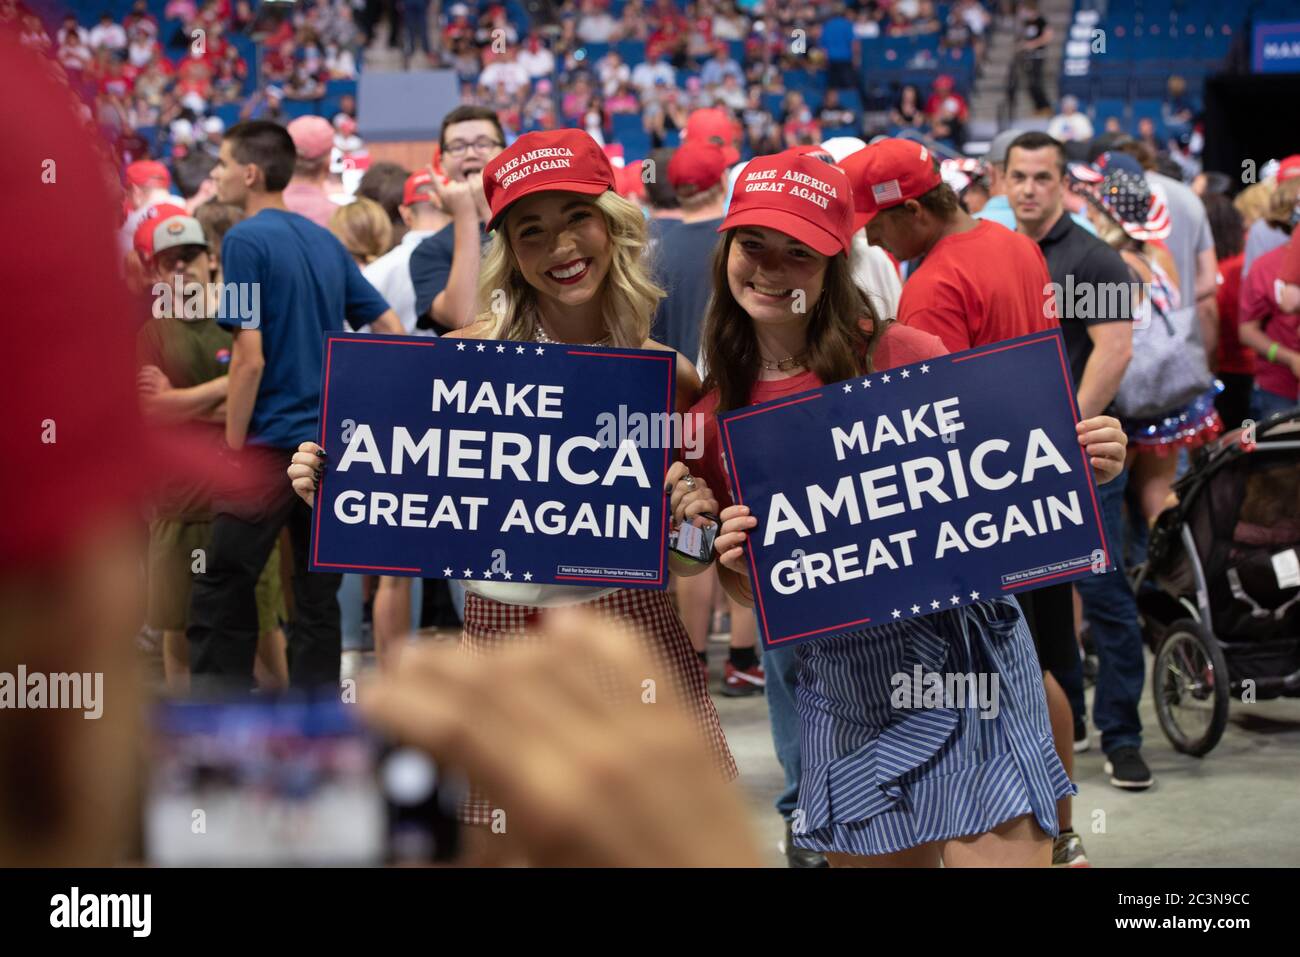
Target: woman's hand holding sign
1106, 444
308, 463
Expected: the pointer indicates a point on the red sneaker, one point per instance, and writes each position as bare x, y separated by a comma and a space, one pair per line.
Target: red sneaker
738, 683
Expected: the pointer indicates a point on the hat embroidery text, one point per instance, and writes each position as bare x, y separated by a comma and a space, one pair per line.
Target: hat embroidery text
507, 175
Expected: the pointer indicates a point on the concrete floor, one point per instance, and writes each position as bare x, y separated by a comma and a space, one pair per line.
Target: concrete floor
1237, 806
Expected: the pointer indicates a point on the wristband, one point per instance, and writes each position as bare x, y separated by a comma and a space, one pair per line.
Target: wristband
1272, 352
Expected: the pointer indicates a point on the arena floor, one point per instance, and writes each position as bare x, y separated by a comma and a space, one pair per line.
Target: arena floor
1237, 806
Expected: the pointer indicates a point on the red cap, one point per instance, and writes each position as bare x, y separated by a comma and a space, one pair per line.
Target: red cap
148, 173
1288, 168
567, 161
143, 238
630, 183
715, 125
418, 188
815, 150
797, 195
698, 164
71, 385
887, 173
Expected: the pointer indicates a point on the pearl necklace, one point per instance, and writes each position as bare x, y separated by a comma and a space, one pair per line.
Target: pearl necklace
541, 336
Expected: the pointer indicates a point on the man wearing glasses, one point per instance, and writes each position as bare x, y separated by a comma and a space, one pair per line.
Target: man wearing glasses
444, 266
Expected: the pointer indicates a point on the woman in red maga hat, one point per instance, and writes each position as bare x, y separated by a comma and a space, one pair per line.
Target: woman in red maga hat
879, 785
565, 265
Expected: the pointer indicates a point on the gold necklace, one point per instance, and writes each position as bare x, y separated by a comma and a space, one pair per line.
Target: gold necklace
783, 365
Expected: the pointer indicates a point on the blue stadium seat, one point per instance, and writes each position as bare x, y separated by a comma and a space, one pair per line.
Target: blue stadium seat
632, 51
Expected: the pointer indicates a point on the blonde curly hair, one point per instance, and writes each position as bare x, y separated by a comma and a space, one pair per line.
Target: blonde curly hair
629, 295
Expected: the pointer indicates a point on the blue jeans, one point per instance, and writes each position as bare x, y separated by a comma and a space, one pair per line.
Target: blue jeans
779, 669
1111, 610
1264, 403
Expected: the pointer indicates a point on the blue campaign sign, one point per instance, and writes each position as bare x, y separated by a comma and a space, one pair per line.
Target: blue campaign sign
512, 461
1277, 47
923, 487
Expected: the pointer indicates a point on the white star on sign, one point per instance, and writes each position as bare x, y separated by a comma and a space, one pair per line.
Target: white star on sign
468, 573
924, 369
916, 609
501, 348
954, 599
519, 350
848, 387
460, 347
905, 373
897, 613
866, 383
488, 573
528, 576
481, 347
509, 575
540, 351
934, 604
446, 572
885, 378
974, 596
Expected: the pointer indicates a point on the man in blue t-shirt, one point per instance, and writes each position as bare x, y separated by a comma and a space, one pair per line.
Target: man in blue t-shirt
287, 283
843, 55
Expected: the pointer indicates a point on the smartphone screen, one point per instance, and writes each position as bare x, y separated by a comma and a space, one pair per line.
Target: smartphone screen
289, 782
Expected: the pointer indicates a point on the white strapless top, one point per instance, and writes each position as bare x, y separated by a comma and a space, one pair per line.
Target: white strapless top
527, 593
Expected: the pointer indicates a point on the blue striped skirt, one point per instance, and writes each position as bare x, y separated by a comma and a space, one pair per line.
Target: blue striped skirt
881, 774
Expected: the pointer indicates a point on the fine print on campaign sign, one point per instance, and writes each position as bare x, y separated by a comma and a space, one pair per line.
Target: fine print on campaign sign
922, 488
477, 459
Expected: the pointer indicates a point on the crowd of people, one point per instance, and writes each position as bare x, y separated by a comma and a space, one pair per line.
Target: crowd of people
685, 260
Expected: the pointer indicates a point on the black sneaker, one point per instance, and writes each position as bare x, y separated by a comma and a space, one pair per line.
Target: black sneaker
1127, 770
1081, 740
798, 856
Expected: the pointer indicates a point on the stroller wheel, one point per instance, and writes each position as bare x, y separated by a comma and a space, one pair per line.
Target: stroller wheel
1191, 686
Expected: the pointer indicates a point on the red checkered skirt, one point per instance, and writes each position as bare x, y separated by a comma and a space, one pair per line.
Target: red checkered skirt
489, 623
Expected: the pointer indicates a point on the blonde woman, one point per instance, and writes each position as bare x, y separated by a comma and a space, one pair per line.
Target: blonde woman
566, 265
364, 229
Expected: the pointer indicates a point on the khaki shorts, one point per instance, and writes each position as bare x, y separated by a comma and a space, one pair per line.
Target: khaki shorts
172, 559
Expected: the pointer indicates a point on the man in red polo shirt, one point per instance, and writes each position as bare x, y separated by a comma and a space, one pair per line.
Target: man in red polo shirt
979, 282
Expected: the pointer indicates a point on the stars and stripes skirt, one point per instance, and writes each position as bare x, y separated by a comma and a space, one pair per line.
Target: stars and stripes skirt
651, 614
887, 767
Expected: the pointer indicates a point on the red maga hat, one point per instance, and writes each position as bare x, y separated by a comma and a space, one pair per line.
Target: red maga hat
888, 173
697, 164
148, 173
418, 188
714, 125
567, 161
802, 197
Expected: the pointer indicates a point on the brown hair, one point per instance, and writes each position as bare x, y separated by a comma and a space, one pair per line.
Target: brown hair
838, 347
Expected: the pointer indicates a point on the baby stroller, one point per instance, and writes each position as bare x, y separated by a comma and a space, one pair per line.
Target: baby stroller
1219, 594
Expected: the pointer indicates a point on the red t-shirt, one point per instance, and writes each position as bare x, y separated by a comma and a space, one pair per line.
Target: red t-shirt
899, 346
1259, 304
1290, 271
979, 287
1233, 356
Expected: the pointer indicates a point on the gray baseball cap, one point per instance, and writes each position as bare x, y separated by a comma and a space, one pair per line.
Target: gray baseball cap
178, 231
1000, 146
